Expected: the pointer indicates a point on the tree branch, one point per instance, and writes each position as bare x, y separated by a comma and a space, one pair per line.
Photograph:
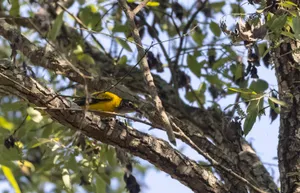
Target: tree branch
208, 123
140, 6
146, 72
111, 132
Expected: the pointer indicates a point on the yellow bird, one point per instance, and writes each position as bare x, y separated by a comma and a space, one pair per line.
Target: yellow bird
107, 101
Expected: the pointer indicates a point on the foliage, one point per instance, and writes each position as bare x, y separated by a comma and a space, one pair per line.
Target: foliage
201, 52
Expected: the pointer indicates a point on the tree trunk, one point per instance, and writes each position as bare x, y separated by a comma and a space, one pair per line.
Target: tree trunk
288, 74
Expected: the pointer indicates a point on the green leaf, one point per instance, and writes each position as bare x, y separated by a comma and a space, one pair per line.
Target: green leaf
220, 62
100, 184
72, 164
86, 58
35, 115
217, 7
277, 23
238, 71
11, 178
214, 79
78, 50
290, 35
81, 2
194, 65
242, 90
279, 102
56, 27
122, 60
11, 154
124, 44
296, 26
56, 158
288, 4
90, 17
153, 4
111, 157
6, 124
39, 142
120, 28
214, 27
202, 88
198, 37
252, 112
237, 8
13, 106
272, 105
66, 179
259, 85
190, 96
249, 122
15, 8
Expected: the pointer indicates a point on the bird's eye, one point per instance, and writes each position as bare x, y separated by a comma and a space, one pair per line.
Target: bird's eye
130, 104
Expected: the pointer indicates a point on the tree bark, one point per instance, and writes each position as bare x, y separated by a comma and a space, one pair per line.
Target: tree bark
288, 77
110, 131
193, 121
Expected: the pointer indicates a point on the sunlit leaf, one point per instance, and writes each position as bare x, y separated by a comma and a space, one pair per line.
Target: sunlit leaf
214, 27
100, 184
217, 7
220, 62
122, 60
238, 71
35, 115
124, 44
153, 4
194, 65
15, 8
252, 112
66, 179
120, 28
11, 178
279, 102
242, 90
91, 17
249, 122
259, 85
6, 124
296, 26
278, 22
40, 142
86, 59
198, 37
56, 27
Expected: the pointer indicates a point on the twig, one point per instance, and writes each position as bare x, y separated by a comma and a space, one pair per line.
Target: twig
186, 28
22, 123
140, 6
131, 69
216, 163
146, 72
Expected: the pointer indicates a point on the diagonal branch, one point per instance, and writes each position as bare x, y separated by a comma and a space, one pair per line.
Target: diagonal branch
146, 72
140, 6
110, 131
193, 126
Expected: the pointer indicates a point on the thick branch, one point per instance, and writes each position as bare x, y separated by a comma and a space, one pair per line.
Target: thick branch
207, 122
111, 132
288, 74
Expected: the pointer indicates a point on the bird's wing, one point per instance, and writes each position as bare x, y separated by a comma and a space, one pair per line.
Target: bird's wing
96, 98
